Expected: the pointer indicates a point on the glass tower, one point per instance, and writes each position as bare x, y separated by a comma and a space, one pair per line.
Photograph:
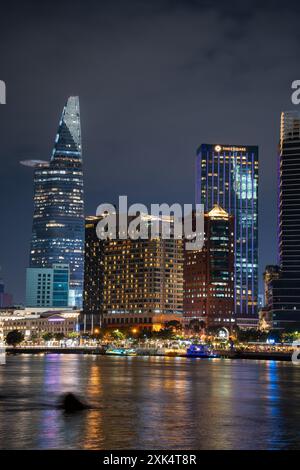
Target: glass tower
227, 175
58, 220
285, 299
93, 275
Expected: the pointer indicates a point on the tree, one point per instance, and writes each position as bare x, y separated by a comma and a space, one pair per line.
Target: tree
213, 330
47, 336
251, 335
14, 337
289, 336
73, 335
59, 336
164, 333
118, 335
196, 325
34, 337
174, 324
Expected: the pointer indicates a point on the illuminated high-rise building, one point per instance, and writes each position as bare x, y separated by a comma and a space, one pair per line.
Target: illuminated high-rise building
285, 299
227, 175
132, 283
58, 220
208, 274
91, 317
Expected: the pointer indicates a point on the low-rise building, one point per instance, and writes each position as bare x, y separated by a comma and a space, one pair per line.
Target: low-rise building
37, 324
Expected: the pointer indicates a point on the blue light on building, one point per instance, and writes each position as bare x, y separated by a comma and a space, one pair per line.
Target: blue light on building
227, 175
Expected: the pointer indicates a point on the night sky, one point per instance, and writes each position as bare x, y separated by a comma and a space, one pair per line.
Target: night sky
155, 80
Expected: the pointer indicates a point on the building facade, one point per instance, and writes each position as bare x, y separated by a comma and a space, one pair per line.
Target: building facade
227, 175
58, 220
209, 274
48, 287
139, 281
285, 302
93, 276
38, 324
271, 273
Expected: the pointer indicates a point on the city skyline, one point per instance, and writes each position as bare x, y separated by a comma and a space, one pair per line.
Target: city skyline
150, 231
40, 166
146, 103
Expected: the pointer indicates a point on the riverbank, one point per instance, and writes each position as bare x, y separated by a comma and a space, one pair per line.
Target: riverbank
256, 355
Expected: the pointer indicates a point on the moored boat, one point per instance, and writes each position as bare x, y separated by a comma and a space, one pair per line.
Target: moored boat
200, 350
121, 351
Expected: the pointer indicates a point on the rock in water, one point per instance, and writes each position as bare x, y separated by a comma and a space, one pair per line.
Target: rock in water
70, 403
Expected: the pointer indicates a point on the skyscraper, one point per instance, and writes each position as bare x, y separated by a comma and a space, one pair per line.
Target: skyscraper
132, 283
208, 274
58, 220
285, 297
93, 276
227, 175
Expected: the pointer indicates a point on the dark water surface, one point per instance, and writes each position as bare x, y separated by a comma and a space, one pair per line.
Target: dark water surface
149, 403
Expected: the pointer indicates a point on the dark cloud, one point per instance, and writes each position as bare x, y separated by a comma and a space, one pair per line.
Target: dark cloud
155, 79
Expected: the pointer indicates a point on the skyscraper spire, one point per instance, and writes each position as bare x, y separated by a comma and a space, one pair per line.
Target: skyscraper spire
58, 220
68, 138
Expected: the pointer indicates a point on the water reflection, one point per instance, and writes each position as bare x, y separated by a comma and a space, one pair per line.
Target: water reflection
150, 403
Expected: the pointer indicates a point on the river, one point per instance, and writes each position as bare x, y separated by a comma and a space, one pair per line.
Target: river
149, 403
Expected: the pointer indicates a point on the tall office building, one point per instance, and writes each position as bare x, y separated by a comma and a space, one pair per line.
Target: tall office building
227, 175
47, 287
58, 220
93, 276
208, 274
285, 305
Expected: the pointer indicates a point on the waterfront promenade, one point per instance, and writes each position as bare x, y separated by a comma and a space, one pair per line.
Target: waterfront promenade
284, 355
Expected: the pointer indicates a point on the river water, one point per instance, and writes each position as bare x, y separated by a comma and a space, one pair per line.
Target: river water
149, 403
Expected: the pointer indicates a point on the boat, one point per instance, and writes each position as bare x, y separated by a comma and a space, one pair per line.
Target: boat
200, 350
121, 352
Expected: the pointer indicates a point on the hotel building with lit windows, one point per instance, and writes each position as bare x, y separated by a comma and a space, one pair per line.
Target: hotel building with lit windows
142, 281
227, 175
58, 220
